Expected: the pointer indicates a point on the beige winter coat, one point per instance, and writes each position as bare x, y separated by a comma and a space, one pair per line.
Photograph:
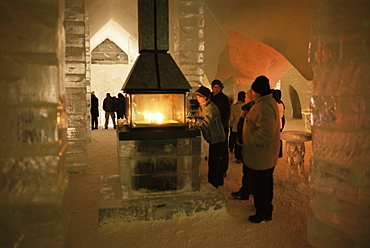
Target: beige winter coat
236, 109
261, 134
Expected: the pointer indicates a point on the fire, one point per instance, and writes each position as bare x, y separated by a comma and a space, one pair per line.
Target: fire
154, 118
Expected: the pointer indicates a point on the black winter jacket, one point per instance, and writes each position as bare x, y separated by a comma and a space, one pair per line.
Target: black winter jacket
224, 106
109, 104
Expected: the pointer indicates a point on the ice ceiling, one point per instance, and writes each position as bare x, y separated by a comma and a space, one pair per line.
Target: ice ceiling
282, 26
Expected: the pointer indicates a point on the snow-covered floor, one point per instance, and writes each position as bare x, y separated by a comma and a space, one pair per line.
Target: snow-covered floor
221, 228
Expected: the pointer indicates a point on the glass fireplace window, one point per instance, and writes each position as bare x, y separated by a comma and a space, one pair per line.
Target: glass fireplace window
152, 110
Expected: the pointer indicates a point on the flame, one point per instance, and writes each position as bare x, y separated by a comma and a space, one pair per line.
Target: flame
154, 118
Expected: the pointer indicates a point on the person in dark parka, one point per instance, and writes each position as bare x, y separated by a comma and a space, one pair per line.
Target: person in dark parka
109, 106
94, 111
120, 109
281, 107
224, 107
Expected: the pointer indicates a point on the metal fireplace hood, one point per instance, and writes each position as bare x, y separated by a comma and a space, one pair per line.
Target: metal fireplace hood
154, 70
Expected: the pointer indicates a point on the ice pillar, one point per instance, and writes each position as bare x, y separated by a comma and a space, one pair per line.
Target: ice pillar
189, 39
340, 172
33, 180
77, 98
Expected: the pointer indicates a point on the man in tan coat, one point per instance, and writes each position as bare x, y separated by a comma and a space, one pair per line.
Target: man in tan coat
261, 145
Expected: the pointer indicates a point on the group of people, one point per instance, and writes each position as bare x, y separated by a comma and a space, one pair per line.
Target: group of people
213, 120
256, 120
111, 106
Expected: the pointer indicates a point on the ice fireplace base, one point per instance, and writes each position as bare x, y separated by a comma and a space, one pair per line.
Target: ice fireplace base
158, 162
113, 209
159, 178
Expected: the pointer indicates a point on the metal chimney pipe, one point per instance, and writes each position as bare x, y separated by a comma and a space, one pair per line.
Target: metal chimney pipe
153, 25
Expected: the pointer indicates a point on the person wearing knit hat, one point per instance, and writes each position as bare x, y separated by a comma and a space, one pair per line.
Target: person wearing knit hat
203, 91
224, 106
261, 144
261, 85
217, 82
209, 122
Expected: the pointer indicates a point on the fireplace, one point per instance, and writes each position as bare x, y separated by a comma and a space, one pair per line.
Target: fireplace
158, 153
156, 110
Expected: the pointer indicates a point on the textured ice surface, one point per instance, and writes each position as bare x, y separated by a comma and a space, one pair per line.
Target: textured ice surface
76, 87
340, 172
33, 181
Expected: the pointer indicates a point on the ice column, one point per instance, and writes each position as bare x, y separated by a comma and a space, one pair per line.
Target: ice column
88, 77
76, 86
33, 126
189, 39
340, 172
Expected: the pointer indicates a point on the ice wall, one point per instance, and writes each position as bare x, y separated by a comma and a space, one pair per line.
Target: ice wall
88, 77
189, 39
33, 181
303, 87
77, 97
340, 172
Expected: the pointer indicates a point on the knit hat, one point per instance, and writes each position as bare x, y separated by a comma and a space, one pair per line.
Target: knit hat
216, 81
203, 91
261, 85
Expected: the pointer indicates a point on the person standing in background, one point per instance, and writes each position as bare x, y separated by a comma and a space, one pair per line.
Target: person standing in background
230, 144
94, 111
121, 111
277, 96
109, 106
246, 188
209, 121
261, 135
236, 110
223, 104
